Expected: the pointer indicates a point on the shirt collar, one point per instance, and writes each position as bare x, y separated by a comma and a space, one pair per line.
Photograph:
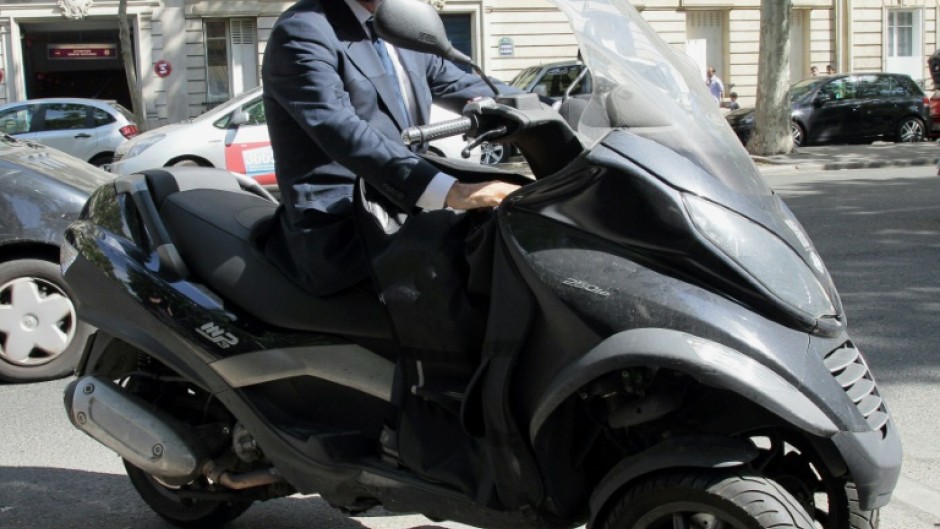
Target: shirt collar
362, 14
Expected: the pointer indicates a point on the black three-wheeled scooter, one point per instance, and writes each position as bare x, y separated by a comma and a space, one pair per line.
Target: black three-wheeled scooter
664, 345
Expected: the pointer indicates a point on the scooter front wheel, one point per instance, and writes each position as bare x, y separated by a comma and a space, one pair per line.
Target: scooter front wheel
700, 499
192, 514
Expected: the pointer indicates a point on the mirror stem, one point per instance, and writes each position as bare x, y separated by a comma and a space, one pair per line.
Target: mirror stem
486, 79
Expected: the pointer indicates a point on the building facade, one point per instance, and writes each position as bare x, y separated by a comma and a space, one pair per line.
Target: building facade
194, 54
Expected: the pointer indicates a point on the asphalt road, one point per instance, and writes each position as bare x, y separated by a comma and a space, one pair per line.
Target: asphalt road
877, 230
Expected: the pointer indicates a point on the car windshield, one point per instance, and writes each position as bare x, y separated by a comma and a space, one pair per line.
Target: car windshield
644, 86
801, 88
228, 106
524, 78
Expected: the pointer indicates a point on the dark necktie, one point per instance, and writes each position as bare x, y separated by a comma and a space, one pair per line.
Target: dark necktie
380, 48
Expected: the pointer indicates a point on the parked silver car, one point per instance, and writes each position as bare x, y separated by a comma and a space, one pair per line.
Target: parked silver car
88, 129
233, 136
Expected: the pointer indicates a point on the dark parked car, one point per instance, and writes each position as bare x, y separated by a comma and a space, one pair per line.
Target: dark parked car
42, 191
852, 107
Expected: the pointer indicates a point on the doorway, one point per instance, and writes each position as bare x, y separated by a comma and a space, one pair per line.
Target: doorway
74, 59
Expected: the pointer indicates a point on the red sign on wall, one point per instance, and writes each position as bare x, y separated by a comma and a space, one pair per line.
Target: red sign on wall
82, 51
162, 68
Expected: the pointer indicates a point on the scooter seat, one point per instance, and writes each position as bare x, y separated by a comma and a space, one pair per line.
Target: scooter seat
214, 230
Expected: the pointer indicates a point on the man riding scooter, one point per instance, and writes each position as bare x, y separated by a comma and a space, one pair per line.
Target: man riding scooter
337, 98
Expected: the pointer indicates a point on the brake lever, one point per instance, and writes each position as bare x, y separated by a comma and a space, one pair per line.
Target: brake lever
498, 131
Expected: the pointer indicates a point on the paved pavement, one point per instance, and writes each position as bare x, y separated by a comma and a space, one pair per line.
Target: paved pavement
859, 156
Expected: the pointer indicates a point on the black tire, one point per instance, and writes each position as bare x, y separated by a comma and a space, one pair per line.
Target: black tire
911, 130
195, 514
859, 519
41, 337
705, 499
831, 501
102, 159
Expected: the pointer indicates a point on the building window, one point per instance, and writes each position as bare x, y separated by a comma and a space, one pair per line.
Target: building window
231, 58
900, 34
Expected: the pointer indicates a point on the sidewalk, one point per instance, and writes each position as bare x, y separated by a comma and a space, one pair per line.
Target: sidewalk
834, 157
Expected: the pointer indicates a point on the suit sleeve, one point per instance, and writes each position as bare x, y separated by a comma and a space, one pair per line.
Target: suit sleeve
301, 75
452, 87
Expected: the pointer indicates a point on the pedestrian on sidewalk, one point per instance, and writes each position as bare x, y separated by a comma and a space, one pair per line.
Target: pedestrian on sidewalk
715, 86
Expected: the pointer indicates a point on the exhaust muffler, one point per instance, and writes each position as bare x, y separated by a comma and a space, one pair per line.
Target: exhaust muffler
147, 438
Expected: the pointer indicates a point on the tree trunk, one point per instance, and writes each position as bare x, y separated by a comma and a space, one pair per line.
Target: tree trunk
130, 66
772, 119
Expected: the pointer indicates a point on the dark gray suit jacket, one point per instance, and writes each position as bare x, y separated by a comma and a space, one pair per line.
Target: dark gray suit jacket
333, 115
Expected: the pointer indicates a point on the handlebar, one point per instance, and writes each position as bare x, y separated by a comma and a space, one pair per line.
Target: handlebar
436, 131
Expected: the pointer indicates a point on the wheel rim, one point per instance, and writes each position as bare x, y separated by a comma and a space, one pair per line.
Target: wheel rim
688, 515
797, 133
491, 153
37, 321
911, 131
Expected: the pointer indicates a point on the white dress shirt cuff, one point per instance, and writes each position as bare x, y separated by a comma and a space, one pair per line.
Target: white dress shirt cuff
435, 195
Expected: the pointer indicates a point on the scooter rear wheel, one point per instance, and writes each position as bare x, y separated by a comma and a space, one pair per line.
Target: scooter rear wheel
700, 499
191, 514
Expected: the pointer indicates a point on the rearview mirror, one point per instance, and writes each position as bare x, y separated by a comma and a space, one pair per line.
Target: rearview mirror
415, 25
239, 117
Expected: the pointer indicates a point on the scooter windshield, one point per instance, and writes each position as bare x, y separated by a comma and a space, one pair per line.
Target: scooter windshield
644, 86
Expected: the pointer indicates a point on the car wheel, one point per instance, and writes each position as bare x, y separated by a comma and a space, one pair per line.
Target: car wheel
186, 163
40, 335
190, 513
911, 130
493, 153
102, 159
799, 136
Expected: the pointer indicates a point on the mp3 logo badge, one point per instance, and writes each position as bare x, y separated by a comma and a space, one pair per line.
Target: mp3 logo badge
217, 335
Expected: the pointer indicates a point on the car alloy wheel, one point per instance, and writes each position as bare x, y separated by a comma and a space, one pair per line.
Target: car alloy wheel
797, 133
493, 153
911, 130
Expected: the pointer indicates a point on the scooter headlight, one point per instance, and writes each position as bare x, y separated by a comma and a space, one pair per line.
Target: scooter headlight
765, 256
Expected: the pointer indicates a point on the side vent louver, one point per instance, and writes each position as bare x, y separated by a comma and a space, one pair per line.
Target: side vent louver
851, 372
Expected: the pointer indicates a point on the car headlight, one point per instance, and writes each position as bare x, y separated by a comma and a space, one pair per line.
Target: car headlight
136, 147
764, 255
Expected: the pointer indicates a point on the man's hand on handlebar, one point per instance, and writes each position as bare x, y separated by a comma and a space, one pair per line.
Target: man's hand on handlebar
483, 195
